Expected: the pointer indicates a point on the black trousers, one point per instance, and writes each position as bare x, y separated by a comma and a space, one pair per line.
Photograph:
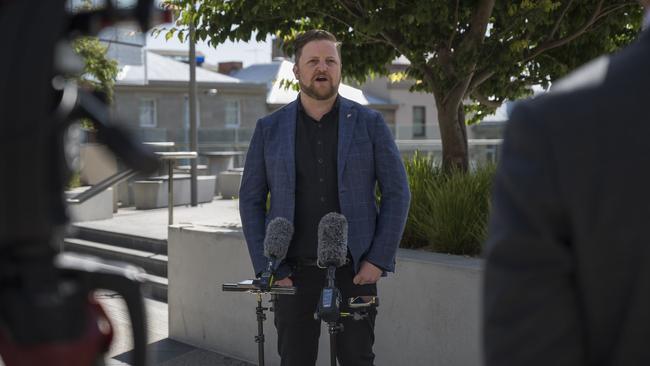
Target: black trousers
298, 331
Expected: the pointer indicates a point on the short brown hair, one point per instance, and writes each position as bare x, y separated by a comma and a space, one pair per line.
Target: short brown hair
313, 35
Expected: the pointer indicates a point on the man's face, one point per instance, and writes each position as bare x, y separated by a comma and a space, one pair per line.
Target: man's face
318, 70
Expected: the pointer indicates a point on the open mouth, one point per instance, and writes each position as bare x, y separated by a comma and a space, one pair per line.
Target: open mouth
321, 78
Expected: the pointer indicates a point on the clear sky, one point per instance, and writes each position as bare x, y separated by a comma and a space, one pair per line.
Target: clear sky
248, 52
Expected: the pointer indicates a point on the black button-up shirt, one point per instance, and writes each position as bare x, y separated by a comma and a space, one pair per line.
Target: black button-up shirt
316, 178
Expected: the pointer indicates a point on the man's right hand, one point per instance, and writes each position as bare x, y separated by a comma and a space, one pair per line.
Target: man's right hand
285, 282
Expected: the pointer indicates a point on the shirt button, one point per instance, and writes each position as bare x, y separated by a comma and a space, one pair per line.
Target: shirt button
321, 180
319, 142
320, 161
319, 125
322, 199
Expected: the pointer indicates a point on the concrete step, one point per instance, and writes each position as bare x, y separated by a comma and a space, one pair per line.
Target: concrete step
156, 246
156, 288
154, 264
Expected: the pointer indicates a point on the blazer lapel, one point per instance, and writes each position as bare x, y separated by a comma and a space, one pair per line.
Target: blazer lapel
347, 120
288, 148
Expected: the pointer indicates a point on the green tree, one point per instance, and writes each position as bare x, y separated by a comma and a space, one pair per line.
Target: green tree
471, 54
99, 71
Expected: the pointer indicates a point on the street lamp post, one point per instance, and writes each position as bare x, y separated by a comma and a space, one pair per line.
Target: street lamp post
192, 110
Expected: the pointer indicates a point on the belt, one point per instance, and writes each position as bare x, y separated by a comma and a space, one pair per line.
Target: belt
303, 262
308, 262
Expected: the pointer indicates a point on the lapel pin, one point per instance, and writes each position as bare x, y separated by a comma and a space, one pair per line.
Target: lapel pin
349, 115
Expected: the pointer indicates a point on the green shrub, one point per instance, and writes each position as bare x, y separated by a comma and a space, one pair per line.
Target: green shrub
74, 182
448, 212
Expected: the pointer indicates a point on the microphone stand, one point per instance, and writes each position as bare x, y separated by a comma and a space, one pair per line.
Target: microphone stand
258, 289
330, 312
259, 338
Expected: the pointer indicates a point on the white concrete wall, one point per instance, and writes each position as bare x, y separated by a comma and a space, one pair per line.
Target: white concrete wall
404, 114
97, 164
428, 315
99, 207
399, 94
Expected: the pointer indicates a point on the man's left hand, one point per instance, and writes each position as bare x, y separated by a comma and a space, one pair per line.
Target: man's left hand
368, 274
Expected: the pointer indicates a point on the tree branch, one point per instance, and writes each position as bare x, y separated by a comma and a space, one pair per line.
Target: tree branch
614, 8
337, 19
348, 8
478, 25
560, 42
479, 78
453, 33
557, 24
473, 39
484, 100
397, 41
457, 92
485, 75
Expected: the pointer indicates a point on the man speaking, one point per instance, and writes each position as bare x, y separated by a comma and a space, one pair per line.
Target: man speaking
319, 154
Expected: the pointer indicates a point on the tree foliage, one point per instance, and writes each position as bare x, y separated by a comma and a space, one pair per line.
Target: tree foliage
100, 71
485, 51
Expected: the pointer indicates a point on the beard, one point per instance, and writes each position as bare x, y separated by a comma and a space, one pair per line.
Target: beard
319, 94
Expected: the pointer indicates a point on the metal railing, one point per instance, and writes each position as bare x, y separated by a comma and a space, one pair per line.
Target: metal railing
98, 188
170, 157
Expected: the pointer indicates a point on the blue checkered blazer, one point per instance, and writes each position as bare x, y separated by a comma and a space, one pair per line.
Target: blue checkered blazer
367, 155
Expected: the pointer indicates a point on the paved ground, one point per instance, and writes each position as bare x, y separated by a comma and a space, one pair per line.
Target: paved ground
153, 223
163, 351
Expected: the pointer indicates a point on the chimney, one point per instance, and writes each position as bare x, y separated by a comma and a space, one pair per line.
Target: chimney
228, 68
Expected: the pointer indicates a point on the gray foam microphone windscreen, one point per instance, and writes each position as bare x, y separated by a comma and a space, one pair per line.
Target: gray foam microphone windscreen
332, 240
278, 237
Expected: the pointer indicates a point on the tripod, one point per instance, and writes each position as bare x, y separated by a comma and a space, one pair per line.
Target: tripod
259, 338
329, 310
253, 287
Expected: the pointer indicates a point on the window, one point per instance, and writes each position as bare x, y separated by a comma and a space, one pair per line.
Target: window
419, 121
147, 112
232, 112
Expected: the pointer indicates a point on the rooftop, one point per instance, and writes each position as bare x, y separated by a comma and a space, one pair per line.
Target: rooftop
274, 73
164, 69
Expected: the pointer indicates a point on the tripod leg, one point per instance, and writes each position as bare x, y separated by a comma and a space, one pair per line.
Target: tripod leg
260, 330
332, 331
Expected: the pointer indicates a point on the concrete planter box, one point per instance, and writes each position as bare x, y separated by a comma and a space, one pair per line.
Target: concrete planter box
97, 164
429, 311
153, 193
229, 183
99, 207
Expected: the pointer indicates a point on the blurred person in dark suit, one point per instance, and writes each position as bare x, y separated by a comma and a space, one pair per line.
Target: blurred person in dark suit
567, 278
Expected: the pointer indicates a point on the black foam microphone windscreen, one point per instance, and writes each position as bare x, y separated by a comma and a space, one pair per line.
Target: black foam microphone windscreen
332, 240
277, 239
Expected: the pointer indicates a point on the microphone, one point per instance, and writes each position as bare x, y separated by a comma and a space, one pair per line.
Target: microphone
276, 244
332, 240
332, 253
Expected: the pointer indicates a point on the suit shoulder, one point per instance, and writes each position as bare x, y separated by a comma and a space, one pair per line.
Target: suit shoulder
276, 115
620, 71
364, 112
591, 75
